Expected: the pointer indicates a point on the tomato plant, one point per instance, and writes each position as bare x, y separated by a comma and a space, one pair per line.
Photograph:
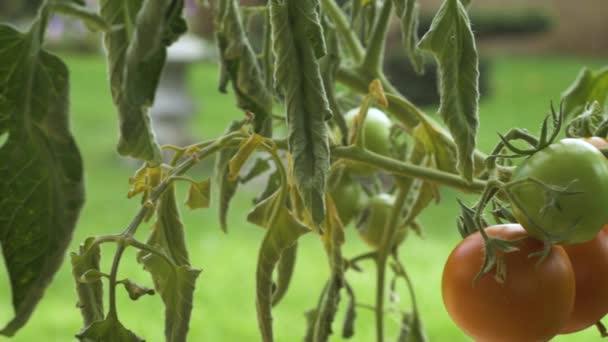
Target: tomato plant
533, 303
312, 60
589, 262
568, 205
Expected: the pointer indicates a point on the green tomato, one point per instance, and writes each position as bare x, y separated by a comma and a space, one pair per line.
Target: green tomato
573, 216
347, 198
376, 135
376, 215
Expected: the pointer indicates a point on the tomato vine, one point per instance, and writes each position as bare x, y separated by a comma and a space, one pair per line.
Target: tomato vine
317, 59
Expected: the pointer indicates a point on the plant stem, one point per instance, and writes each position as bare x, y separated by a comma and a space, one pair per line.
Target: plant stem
386, 246
374, 55
348, 36
408, 169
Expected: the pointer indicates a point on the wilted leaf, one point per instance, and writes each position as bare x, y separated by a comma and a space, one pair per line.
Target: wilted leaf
174, 282
451, 40
227, 187
240, 67
136, 56
108, 330
244, 152
199, 194
282, 233
90, 296
41, 170
287, 263
176, 287
298, 44
589, 86
168, 231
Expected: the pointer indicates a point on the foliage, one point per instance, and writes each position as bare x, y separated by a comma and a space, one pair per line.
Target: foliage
310, 47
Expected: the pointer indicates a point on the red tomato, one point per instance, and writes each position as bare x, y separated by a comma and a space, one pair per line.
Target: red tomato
533, 304
590, 263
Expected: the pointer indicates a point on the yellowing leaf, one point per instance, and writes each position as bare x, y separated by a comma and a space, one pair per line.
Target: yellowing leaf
199, 195
245, 150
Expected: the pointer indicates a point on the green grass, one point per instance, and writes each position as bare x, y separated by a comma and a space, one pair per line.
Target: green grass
224, 300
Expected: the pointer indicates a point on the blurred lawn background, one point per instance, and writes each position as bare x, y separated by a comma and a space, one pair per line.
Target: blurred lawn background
224, 308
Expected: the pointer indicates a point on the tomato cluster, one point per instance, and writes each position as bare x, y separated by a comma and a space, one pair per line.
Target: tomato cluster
559, 197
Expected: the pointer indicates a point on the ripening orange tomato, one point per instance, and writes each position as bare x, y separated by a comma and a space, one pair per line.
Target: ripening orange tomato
532, 305
590, 263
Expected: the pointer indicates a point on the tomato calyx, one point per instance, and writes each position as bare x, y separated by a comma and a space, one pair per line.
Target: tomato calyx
537, 144
495, 249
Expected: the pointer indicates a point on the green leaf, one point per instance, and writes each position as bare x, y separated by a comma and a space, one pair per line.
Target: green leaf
136, 56
285, 269
589, 86
261, 214
227, 187
168, 231
199, 195
41, 171
408, 11
176, 287
283, 232
298, 44
174, 282
108, 330
90, 295
451, 40
240, 67
134, 290
587, 122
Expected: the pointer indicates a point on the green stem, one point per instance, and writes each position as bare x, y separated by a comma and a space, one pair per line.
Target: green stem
91, 19
374, 55
408, 169
386, 246
348, 36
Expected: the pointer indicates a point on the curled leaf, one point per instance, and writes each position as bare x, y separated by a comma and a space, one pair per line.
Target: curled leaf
451, 40
136, 56
227, 187
90, 295
283, 232
298, 43
240, 67
245, 150
135, 291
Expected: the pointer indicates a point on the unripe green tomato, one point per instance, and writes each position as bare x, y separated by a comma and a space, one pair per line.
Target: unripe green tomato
574, 216
376, 135
347, 198
377, 213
